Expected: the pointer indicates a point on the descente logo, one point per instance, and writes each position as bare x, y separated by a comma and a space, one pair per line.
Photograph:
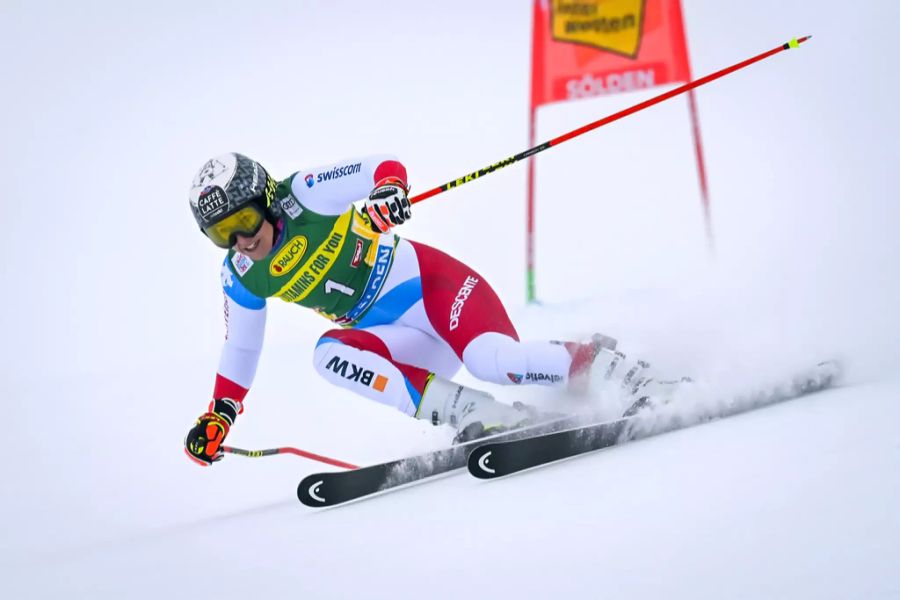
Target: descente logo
461, 296
288, 257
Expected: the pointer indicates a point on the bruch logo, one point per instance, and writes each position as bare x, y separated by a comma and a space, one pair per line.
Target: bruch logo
288, 257
612, 26
351, 372
310, 180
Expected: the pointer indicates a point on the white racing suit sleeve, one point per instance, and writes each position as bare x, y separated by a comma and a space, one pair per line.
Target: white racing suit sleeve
245, 324
330, 189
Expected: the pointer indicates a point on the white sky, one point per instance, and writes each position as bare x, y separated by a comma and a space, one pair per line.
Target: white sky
108, 108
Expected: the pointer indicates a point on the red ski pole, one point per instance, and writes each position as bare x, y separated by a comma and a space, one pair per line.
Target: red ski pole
288, 450
794, 43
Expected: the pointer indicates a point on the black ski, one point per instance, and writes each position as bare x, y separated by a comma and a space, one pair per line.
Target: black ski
504, 457
330, 488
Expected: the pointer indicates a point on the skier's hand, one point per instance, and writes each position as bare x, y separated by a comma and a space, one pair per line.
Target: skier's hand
203, 443
388, 204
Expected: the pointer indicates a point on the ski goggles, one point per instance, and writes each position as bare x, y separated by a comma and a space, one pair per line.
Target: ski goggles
245, 221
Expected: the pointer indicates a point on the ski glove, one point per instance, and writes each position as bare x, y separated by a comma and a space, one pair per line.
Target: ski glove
203, 443
388, 204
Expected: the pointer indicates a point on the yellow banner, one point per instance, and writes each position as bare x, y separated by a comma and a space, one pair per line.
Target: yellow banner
613, 25
319, 262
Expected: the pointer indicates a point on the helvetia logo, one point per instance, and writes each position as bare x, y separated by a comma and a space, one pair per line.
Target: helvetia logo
518, 378
288, 257
612, 26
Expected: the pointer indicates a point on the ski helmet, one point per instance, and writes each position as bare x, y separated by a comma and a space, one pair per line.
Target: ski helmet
232, 194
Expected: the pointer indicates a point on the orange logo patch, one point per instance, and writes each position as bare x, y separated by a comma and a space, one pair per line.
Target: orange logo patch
352, 372
380, 383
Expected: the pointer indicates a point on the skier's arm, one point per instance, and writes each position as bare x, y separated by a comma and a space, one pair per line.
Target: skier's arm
331, 189
245, 322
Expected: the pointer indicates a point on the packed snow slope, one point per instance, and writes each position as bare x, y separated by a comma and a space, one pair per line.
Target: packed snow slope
112, 308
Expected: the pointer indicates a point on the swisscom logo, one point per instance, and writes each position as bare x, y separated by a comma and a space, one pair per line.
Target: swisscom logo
310, 180
337, 173
288, 257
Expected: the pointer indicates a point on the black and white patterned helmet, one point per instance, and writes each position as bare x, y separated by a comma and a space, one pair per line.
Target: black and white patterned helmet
227, 183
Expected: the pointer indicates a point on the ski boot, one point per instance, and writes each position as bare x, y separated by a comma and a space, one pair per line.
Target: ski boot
473, 413
597, 367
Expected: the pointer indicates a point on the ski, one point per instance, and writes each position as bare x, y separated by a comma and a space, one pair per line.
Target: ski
331, 488
499, 458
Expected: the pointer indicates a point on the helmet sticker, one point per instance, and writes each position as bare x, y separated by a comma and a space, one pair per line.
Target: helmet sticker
212, 202
270, 191
213, 171
217, 171
254, 184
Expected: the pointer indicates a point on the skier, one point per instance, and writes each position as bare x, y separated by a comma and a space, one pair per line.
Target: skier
409, 315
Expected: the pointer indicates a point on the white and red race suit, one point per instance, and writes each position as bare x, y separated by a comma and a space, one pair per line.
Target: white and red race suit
423, 311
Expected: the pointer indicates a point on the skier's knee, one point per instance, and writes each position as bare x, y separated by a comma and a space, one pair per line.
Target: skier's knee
359, 361
324, 346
